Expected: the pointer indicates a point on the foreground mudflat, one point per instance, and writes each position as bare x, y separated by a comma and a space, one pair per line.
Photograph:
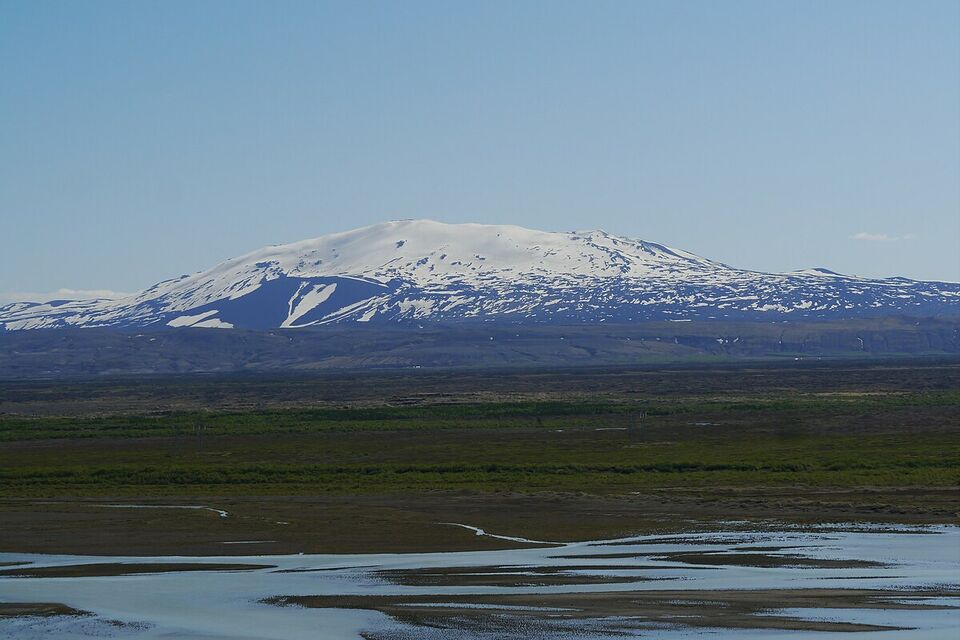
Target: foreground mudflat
278, 525
888, 581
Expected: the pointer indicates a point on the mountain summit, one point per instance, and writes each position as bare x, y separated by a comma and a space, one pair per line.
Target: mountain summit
426, 271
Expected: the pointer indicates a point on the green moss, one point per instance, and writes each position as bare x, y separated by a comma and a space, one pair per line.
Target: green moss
901, 437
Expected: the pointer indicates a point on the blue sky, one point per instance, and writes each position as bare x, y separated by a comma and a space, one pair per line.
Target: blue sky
142, 140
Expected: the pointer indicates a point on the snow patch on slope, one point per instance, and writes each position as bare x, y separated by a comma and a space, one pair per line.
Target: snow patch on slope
302, 303
212, 323
190, 321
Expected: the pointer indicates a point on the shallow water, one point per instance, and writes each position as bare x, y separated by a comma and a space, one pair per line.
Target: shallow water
229, 604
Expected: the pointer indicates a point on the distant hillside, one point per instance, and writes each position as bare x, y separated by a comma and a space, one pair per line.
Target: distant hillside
99, 352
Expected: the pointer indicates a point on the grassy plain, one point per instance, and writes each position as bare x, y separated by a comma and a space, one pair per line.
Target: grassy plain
868, 441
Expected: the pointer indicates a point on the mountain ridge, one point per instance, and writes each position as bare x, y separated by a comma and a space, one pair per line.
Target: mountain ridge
416, 271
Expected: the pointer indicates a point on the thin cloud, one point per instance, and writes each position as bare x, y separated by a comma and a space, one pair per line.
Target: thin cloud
7, 297
865, 236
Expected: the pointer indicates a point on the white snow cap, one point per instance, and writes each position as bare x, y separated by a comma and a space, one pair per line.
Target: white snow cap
425, 250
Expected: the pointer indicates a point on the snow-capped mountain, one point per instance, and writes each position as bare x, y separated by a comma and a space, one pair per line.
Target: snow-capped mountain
425, 271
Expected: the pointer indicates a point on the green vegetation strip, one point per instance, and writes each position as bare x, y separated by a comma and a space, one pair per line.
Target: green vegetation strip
898, 439
442, 416
854, 463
